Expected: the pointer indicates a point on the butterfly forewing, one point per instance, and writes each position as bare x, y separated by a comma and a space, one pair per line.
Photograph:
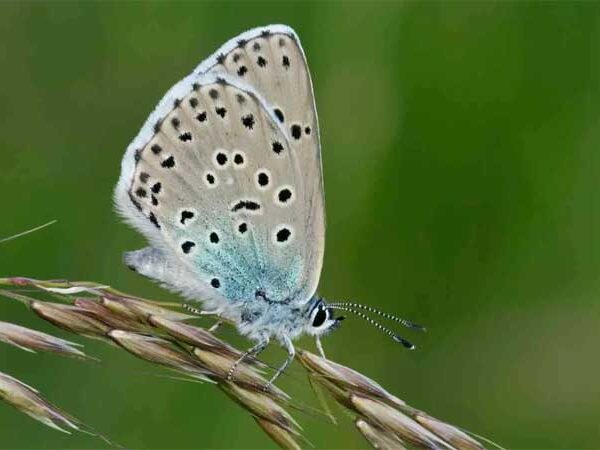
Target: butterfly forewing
272, 61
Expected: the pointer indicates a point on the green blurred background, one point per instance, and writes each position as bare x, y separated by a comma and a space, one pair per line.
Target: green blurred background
460, 150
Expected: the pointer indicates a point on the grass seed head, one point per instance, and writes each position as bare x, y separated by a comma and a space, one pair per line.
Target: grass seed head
136, 309
32, 341
160, 351
70, 318
392, 420
279, 435
98, 311
378, 438
28, 400
244, 374
261, 405
455, 437
347, 379
196, 336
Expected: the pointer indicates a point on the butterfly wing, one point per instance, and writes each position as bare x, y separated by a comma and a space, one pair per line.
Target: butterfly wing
223, 191
271, 60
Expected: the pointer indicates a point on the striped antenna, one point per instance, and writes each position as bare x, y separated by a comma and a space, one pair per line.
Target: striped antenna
403, 322
377, 325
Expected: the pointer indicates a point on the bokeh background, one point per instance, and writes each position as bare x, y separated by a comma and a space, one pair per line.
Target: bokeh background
460, 149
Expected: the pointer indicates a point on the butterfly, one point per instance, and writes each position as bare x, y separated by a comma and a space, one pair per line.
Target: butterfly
225, 181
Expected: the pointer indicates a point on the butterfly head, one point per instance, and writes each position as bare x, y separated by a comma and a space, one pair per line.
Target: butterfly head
321, 319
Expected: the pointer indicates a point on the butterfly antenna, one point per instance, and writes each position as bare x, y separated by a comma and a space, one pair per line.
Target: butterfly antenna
376, 324
403, 322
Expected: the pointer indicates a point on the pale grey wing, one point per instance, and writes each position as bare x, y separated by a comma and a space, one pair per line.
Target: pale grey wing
218, 191
271, 60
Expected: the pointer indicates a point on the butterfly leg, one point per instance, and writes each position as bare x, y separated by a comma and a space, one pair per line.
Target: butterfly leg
291, 355
320, 347
254, 351
215, 326
201, 312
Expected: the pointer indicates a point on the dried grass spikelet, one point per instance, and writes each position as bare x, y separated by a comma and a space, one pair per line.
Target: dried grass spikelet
278, 434
383, 419
34, 341
139, 309
262, 406
29, 401
378, 438
160, 351
71, 318
194, 336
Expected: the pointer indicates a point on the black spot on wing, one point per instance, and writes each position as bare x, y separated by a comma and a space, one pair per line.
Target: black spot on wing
187, 246
246, 204
154, 220
277, 147
248, 121
168, 163
296, 131
262, 179
283, 235
284, 195
279, 114
186, 215
221, 159
221, 111
185, 137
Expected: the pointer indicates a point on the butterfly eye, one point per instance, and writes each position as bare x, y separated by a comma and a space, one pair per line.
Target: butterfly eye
320, 317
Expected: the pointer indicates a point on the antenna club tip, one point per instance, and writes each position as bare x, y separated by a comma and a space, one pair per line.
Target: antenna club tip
404, 342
